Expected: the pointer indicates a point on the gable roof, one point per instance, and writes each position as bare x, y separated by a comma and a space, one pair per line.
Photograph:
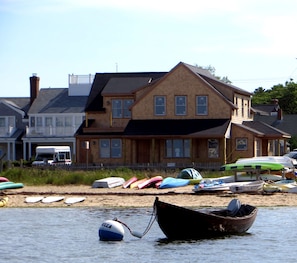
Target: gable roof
21, 105
265, 109
95, 100
287, 123
56, 100
265, 129
212, 80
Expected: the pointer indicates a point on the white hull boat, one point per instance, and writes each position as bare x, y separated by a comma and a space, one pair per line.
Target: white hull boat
109, 182
247, 187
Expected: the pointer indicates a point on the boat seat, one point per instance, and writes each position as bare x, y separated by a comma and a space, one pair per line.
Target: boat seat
233, 207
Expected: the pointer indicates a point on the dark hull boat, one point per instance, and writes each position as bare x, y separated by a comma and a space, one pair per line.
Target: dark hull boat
179, 223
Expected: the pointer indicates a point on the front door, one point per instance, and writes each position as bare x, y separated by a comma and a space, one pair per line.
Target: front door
143, 151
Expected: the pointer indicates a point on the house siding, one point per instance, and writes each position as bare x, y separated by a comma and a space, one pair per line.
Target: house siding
181, 82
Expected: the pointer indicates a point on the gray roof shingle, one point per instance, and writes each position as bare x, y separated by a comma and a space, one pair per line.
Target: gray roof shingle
56, 100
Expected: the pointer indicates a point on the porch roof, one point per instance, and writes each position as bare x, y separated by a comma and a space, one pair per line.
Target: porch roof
188, 127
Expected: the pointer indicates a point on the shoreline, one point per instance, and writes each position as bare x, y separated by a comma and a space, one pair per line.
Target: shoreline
133, 198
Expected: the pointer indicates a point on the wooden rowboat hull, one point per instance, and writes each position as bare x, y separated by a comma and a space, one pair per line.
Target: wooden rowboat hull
179, 223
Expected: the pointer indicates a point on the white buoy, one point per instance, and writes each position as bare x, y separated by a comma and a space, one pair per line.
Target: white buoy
111, 230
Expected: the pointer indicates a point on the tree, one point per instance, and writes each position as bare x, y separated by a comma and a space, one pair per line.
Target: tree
286, 95
212, 71
288, 101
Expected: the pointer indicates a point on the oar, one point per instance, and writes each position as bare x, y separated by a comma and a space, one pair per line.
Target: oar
133, 233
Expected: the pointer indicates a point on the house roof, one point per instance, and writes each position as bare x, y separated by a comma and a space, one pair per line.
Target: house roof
186, 127
190, 127
287, 123
95, 100
212, 80
19, 104
125, 85
265, 129
56, 100
265, 109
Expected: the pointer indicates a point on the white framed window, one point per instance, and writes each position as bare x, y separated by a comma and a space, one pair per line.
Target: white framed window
48, 121
160, 105
126, 111
180, 105
201, 105
68, 121
177, 148
242, 107
241, 144
120, 108
110, 148
59, 121
39, 121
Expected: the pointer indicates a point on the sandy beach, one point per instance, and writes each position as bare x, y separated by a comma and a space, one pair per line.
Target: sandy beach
121, 198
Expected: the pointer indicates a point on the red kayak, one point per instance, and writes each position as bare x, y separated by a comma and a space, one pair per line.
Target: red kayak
150, 182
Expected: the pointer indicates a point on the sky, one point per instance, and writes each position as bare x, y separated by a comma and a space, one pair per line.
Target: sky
251, 42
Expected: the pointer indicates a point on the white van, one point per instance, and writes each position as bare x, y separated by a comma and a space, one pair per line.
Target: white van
52, 155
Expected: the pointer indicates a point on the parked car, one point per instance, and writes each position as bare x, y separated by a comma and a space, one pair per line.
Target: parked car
292, 154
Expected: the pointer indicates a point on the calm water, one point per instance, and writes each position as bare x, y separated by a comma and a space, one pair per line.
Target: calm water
71, 235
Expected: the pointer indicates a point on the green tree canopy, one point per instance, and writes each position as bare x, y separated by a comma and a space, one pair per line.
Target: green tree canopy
286, 95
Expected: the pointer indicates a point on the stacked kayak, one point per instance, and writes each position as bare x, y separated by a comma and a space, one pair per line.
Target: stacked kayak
10, 185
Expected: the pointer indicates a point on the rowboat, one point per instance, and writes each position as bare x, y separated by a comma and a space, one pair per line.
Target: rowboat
247, 187
179, 223
109, 182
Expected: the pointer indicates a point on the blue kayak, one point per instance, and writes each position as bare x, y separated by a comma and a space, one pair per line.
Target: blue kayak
170, 182
10, 185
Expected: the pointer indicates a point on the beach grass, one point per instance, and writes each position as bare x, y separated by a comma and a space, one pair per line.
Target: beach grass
43, 176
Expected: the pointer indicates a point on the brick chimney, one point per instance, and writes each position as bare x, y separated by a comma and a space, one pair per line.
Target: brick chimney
34, 87
277, 109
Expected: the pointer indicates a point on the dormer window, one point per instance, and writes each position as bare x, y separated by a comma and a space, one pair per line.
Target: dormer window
120, 108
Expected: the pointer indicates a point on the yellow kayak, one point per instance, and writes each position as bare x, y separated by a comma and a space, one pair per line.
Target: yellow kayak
3, 201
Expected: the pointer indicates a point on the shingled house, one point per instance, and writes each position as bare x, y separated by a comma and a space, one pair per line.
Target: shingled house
55, 114
178, 118
13, 121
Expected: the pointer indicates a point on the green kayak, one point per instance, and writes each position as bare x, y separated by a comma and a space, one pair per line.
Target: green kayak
256, 166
